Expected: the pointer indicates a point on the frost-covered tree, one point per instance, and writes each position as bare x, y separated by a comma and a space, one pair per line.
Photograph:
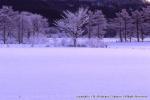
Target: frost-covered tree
127, 24
40, 27
23, 25
6, 22
123, 25
73, 23
20, 26
89, 25
117, 25
146, 13
145, 27
30, 25
137, 21
39, 24
99, 23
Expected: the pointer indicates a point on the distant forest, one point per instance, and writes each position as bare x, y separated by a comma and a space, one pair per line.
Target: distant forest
52, 9
29, 21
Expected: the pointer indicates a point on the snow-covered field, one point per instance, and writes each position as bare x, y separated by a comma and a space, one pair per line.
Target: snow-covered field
115, 43
66, 73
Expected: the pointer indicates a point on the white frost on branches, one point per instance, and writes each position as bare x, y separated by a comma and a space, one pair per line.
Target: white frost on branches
73, 23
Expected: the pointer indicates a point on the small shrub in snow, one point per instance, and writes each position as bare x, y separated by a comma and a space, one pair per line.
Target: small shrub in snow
96, 42
39, 39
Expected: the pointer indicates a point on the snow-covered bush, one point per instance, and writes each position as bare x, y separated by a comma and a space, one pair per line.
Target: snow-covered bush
96, 42
81, 42
38, 39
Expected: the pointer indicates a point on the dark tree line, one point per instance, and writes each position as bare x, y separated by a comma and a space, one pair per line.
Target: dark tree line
19, 27
135, 24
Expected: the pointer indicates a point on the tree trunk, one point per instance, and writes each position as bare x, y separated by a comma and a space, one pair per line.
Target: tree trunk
125, 31
130, 39
29, 35
75, 39
89, 31
130, 34
120, 34
89, 27
137, 29
75, 42
142, 36
22, 30
4, 34
19, 34
98, 32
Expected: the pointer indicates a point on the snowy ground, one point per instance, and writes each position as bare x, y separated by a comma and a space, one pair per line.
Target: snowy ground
115, 43
66, 73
